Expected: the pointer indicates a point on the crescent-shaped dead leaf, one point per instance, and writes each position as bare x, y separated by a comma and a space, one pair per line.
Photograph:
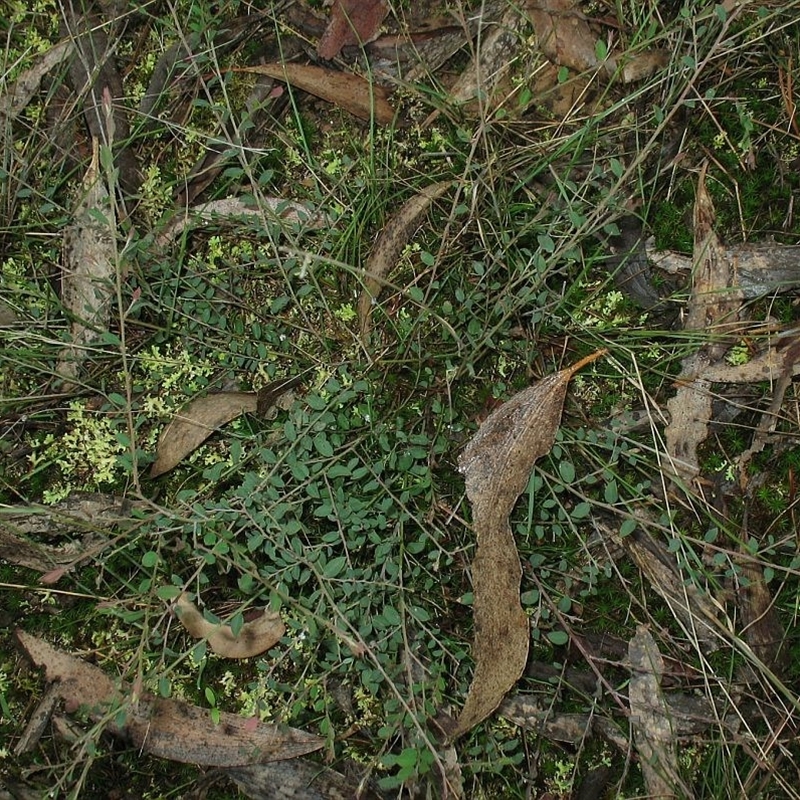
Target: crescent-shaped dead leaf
255, 637
195, 422
497, 464
394, 237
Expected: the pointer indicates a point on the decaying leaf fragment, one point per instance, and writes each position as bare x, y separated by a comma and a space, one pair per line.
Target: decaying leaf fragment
88, 272
496, 465
653, 729
233, 209
394, 237
255, 636
195, 422
351, 22
566, 38
491, 61
166, 728
714, 304
351, 92
297, 778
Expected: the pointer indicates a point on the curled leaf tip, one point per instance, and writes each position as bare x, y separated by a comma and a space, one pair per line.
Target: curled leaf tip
588, 360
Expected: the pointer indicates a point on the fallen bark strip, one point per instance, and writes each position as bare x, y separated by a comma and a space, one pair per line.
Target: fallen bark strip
92, 516
95, 78
760, 269
713, 306
89, 270
652, 723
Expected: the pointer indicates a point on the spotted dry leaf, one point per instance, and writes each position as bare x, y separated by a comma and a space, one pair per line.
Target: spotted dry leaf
496, 465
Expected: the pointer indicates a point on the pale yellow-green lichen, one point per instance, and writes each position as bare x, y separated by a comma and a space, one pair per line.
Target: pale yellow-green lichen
87, 453
156, 194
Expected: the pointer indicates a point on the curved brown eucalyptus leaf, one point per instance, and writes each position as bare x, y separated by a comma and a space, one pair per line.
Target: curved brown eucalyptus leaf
195, 422
394, 237
255, 637
353, 93
497, 464
351, 22
165, 728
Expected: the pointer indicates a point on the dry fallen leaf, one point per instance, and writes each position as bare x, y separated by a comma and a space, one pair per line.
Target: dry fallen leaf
195, 422
497, 464
351, 22
394, 237
564, 34
255, 636
166, 728
353, 93
233, 209
298, 778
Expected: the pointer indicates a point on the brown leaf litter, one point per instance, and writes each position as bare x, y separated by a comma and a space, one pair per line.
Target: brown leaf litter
170, 729
496, 465
352, 22
394, 237
255, 636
